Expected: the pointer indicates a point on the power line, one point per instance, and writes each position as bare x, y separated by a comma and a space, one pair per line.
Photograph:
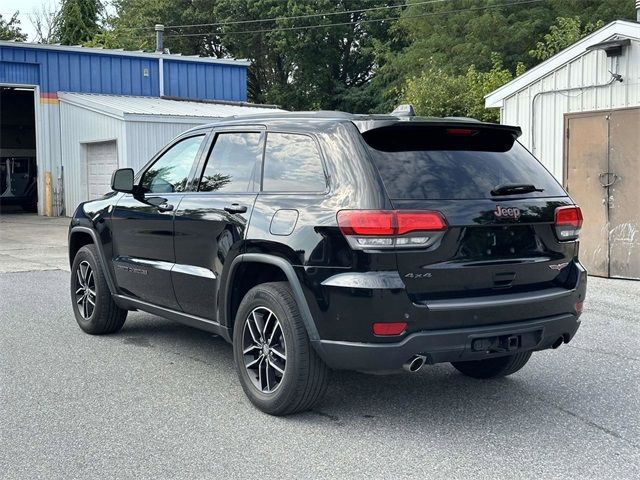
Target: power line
311, 15
282, 29
293, 17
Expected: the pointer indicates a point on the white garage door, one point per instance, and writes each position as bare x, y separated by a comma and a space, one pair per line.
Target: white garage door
102, 160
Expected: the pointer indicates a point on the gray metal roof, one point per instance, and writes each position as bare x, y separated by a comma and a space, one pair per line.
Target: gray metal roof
122, 106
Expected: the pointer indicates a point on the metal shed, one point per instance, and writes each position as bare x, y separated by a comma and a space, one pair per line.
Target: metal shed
32, 75
100, 133
580, 115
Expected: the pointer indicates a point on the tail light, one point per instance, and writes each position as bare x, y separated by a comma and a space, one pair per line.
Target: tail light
568, 222
383, 229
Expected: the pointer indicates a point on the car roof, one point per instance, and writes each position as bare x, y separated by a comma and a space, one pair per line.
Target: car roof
364, 122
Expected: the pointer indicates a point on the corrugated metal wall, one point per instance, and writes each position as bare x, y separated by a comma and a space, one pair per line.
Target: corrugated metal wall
203, 81
64, 71
19, 73
540, 108
147, 138
109, 73
79, 125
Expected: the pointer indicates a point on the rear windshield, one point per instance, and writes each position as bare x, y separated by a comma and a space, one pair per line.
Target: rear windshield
439, 163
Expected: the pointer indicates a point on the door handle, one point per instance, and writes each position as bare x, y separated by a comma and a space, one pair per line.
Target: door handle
607, 176
164, 207
235, 208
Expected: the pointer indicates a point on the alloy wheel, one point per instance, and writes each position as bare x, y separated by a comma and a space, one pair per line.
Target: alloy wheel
264, 349
85, 290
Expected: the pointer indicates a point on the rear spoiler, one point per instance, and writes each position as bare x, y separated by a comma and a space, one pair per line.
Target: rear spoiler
384, 122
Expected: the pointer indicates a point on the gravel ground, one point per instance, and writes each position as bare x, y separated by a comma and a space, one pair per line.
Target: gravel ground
160, 400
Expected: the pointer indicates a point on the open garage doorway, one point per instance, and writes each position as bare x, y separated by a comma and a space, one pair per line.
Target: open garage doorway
18, 159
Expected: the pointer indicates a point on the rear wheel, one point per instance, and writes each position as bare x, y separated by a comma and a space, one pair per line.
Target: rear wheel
278, 368
94, 309
493, 367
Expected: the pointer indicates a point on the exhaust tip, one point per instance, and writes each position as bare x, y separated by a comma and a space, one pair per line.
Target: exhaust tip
415, 363
558, 342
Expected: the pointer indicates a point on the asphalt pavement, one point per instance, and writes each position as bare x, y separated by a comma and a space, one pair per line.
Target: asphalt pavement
162, 400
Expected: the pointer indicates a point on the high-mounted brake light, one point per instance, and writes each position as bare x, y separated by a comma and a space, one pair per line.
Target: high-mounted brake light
568, 222
463, 132
373, 229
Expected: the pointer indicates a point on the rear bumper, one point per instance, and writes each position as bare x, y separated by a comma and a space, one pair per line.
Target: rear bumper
447, 345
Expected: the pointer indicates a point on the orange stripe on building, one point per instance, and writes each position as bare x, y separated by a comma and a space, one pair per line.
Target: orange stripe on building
49, 98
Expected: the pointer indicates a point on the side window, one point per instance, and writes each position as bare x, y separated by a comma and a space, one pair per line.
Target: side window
292, 163
232, 163
170, 173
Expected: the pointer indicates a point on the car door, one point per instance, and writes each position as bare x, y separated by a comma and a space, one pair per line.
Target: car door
211, 221
143, 236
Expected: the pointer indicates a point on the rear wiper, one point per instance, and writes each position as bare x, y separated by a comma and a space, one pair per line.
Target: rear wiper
515, 189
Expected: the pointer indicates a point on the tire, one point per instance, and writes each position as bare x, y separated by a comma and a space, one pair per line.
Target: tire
493, 367
305, 376
104, 316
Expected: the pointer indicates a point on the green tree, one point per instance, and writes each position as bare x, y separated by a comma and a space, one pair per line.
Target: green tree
298, 68
364, 65
77, 21
436, 92
10, 29
459, 33
562, 34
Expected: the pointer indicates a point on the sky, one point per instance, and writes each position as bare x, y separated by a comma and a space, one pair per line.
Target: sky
25, 7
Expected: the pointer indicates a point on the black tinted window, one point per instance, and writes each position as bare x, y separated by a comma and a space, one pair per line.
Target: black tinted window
430, 163
170, 172
232, 164
292, 164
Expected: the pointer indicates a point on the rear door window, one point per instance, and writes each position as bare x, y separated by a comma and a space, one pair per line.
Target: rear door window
440, 163
292, 163
232, 163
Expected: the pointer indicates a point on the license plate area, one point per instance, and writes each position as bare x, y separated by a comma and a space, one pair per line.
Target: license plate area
507, 241
508, 343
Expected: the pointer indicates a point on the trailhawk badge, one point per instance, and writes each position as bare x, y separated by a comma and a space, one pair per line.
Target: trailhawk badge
504, 212
558, 266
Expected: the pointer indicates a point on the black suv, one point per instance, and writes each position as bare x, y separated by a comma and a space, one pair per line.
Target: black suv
318, 241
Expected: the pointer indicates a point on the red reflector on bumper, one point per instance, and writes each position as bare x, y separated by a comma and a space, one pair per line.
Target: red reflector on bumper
394, 328
579, 306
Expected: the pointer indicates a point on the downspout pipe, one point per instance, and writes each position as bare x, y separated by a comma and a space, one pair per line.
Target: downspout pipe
161, 76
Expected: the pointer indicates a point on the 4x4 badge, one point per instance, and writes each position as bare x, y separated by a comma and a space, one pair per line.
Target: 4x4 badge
418, 275
507, 212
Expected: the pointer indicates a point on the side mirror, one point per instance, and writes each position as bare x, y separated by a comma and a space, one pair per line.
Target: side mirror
122, 180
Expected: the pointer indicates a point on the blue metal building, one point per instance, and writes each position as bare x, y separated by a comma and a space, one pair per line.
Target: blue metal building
48, 70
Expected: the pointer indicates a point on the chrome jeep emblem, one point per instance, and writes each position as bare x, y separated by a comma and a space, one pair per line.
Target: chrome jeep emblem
558, 266
507, 212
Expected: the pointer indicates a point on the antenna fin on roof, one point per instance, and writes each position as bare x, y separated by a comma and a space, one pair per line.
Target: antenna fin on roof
405, 110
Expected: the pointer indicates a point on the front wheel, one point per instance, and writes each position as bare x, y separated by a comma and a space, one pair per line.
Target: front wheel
493, 367
94, 309
278, 368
